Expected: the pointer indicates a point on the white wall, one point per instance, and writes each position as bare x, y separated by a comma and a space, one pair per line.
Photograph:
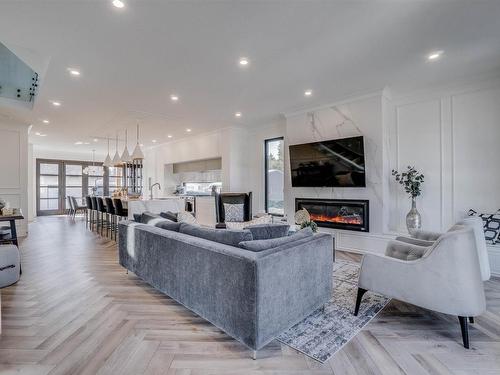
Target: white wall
453, 137
14, 167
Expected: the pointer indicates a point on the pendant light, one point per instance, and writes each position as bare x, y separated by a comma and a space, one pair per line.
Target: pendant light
126, 158
116, 159
107, 162
137, 154
91, 169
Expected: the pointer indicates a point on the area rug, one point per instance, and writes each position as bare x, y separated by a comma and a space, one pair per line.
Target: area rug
324, 332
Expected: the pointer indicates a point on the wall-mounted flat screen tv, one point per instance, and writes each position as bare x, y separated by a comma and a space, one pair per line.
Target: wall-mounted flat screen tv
334, 163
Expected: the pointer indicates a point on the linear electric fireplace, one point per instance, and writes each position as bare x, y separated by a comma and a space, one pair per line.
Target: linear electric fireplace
350, 214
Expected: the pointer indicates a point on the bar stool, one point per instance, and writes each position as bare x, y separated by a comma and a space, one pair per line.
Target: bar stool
70, 211
95, 214
88, 212
110, 213
76, 207
120, 212
101, 221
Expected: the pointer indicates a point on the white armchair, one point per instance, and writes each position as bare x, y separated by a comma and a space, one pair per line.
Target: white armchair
446, 278
427, 238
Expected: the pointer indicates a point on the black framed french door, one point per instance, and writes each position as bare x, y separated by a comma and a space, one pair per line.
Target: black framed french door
58, 179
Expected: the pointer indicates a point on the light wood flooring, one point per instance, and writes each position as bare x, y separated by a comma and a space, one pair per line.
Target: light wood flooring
76, 311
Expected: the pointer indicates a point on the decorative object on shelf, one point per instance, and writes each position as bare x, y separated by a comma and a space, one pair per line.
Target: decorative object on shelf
6, 211
303, 218
137, 154
91, 169
117, 161
107, 161
126, 158
411, 180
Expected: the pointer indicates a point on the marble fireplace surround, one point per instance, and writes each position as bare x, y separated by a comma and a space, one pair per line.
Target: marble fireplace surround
361, 116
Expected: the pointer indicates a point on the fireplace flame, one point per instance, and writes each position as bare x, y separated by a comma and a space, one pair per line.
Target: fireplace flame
354, 219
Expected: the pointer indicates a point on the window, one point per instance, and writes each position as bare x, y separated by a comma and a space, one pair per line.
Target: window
274, 176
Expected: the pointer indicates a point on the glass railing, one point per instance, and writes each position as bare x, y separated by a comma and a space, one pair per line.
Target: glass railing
17, 80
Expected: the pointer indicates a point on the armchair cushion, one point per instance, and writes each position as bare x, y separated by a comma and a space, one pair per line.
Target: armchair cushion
405, 251
234, 212
261, 245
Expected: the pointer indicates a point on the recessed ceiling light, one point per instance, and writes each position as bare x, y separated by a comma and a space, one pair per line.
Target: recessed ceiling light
37, 133
40, 134
434, 55
46, 121
74, 72
96, 140
308, 93
169, 136
154, 141
79, 143
174, 97
244, 61
188, 130
118, 3
237, 114
56, 103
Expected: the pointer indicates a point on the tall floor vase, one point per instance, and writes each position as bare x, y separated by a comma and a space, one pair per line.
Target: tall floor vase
413, 218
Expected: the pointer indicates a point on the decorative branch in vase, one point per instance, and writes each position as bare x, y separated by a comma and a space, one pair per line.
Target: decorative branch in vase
412, 181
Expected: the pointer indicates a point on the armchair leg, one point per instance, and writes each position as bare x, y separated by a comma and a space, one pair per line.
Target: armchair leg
254, 354
471, 319
464, 326
361, 292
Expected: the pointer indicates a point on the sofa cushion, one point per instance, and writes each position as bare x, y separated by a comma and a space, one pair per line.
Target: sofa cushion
225, 236
268, 231
169, 215
168, 225
261, 245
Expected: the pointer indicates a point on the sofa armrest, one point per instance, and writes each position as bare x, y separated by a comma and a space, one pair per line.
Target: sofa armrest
292, 281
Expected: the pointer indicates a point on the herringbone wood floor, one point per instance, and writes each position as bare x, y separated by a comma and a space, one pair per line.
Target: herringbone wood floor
76, 311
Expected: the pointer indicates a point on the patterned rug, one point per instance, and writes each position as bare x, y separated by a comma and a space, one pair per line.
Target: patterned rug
323, 333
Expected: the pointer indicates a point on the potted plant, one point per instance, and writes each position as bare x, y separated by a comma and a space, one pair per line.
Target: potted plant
412, 181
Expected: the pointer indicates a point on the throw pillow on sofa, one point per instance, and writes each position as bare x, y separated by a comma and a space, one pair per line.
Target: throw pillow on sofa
261, 245
225, 236
491, 226
169, 215
268, 231
186, 217
146, 217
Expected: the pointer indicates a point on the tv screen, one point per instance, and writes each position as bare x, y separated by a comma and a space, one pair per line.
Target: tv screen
334, 163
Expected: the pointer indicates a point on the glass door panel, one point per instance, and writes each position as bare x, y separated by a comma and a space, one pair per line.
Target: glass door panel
49, 189
74, 182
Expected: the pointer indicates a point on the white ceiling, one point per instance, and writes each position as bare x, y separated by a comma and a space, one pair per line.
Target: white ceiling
132, 59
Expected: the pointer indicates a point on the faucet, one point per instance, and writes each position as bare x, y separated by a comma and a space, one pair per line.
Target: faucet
151, 189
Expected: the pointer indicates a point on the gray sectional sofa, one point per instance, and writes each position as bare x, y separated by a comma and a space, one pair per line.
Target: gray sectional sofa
251, 295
